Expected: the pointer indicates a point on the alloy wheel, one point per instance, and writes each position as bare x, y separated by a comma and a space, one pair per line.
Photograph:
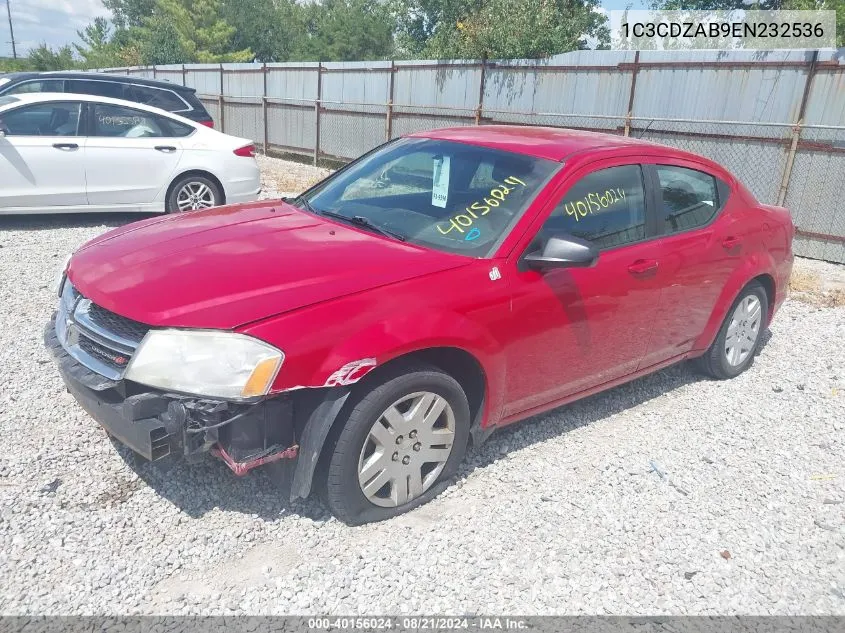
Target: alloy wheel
743, 330
193, 196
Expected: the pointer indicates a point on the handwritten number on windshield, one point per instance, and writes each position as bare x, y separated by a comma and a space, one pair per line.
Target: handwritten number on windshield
496, 197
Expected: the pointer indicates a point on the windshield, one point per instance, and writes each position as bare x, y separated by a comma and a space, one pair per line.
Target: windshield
449, 196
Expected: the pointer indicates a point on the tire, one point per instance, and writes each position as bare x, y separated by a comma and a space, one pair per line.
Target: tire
356, 451
723, 362
207, 191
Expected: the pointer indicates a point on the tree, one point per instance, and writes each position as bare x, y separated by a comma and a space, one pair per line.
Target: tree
499, 28
189, 31
97, 49
272, 29
42, 57
162, 32
129, 13
344, 30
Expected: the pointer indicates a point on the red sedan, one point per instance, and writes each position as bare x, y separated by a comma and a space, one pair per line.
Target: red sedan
363, 334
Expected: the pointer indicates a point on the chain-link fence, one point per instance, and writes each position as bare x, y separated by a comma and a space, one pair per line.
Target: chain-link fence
785, 140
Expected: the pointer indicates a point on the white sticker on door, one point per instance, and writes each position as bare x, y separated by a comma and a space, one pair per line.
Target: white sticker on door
440, 182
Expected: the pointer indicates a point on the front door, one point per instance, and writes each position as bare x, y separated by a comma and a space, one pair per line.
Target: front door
576, 328
41, 157
130, 156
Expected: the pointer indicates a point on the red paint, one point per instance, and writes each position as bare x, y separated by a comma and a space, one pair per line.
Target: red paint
242, 468
330, 295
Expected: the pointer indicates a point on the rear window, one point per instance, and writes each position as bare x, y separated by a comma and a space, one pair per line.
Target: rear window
156, 97
195, 103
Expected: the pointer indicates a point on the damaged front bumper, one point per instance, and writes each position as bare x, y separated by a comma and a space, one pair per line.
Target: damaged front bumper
156, 424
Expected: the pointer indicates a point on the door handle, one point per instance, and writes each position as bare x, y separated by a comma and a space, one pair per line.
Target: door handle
731, 242
167, 149
643, 267
65, 146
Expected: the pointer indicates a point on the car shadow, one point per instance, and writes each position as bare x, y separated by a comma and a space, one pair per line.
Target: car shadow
50, 221
209, 485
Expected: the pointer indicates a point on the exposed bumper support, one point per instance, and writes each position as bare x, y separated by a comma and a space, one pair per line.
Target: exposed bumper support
288, 430
156, 424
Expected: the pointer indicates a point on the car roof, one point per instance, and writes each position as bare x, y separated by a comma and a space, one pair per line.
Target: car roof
543, 142
46, 97
122, 79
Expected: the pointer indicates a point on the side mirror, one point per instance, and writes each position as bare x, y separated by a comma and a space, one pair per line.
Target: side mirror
563, 251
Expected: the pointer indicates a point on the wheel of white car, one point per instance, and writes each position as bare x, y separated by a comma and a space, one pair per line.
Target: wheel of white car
399, 444
192, 193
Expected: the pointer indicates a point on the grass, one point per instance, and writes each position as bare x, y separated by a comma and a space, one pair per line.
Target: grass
808, 287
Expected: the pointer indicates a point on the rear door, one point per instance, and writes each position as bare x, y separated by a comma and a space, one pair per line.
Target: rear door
701, 245
576, 328
41, 157
130, 155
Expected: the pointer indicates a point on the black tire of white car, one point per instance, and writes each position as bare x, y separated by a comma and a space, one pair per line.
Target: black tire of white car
715, 362
342, 490
172, 202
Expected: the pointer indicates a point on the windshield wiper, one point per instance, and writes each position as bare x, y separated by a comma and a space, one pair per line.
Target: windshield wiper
360, 220
301, 200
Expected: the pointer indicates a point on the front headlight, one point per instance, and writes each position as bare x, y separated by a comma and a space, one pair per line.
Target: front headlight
216, 364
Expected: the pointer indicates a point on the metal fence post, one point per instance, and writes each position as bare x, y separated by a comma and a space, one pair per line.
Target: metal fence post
221, 102
790, 161
796, 131
481, 89
184, 76
154, 71
388, 124
264, 111
317, 112
630, 112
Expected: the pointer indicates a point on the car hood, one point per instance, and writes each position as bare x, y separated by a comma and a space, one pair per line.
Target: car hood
229, 266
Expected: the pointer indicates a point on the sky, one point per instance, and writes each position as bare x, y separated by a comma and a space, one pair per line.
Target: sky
57, 21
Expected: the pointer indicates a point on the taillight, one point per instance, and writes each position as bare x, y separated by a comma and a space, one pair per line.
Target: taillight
247, 151
208, 123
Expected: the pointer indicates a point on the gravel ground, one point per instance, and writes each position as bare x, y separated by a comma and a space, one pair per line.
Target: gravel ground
670, 495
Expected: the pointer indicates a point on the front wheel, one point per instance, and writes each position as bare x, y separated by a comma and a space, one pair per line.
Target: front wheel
193, 192
400, 443
739, 337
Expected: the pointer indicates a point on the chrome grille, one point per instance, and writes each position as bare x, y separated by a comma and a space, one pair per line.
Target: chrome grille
101, 340
121, 326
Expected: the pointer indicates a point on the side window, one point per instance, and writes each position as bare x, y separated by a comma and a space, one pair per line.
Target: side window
96, 88
177, 129
112, 121
690, 198
42, 119
47, 85
606, 207
155, 97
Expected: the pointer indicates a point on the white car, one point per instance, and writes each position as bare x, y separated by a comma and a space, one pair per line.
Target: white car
70, 153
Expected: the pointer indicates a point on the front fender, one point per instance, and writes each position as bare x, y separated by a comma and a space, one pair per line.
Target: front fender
754, 265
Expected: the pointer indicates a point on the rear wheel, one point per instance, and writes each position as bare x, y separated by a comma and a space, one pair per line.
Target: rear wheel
739, 337
193, 192
400, 443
